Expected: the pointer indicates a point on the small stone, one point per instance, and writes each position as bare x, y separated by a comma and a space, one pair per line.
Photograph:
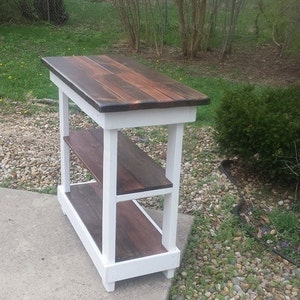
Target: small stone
237, 288
294, 294
269, 295
225, 291
279, 297
245, 286
286, 262
288, 286
184, 274
207, 294
218, 246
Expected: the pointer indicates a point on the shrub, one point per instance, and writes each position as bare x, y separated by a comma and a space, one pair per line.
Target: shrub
46, 10
51, 10
262, 129
7, 10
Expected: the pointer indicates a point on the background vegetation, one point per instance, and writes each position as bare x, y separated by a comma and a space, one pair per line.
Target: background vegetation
96, 26
205, 24
262, 130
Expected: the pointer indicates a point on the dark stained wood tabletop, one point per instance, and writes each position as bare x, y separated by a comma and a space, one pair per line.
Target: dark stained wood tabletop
118, 83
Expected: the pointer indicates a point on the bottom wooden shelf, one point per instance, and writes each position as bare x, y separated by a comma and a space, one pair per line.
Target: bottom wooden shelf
136, 236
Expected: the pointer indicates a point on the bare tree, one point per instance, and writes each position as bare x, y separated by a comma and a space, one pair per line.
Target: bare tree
51, 10
232, 11
156, 22
213, 8
129, 13
192, 20
284, 20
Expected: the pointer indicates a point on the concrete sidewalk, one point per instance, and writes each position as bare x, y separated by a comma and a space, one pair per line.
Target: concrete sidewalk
42, 257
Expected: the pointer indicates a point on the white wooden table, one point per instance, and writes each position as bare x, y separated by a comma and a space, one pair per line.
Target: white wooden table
116, 92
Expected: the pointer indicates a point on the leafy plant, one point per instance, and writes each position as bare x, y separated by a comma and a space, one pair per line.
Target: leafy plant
285, 221
279, 229
261, 128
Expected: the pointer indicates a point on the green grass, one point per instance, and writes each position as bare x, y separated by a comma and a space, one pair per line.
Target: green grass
21, 50
23, 45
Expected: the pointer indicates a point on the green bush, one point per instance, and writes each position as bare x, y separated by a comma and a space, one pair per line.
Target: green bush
262, 129
7, 10
46, 10
51, 10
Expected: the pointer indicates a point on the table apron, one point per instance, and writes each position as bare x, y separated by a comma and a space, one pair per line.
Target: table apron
128, 119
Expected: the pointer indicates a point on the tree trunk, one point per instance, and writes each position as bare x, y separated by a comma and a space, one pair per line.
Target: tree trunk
233, 9
212, 22
129, 13
51, 10
192, 21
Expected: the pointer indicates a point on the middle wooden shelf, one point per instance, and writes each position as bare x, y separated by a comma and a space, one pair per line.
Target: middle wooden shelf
136, 171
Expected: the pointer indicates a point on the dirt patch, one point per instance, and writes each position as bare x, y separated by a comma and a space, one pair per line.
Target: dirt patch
261, 65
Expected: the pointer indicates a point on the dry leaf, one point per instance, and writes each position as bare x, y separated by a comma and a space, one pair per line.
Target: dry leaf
260, 233
265, 219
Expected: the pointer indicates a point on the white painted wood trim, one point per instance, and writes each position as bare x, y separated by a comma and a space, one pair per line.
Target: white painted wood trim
150, 117
78, 100
64, 131
143, 266
147, 216
109, 202
173, 165
144, 194
132, 118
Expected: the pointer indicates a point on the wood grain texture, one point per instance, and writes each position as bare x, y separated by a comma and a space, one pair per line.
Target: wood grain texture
136, 171
117, 83
135, 234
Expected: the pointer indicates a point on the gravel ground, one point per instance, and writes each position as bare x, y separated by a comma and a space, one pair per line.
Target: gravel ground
29, 156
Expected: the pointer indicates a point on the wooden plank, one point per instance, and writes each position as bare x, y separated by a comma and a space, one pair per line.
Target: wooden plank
136, 171
116, 83
135, 234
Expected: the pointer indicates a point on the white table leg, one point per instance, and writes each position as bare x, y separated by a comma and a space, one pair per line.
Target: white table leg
109, 200
173, 165
65, 150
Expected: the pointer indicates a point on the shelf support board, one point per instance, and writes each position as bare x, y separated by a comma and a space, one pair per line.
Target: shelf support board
110, 139
173, 165
64, 131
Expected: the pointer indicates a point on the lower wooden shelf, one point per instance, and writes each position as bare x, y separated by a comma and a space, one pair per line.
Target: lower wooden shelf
136, 236
136, 171
139, 248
